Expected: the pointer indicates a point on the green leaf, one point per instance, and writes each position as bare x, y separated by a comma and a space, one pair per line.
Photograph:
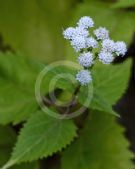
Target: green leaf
34, 27
63, 77
17, 87
18, 68
41, 136
101, 145
8, 137
101, 103
124, 4
16, 104
109, 84
18, 77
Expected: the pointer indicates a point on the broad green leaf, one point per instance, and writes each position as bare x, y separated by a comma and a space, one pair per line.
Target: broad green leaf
18, 68
17, 87
18, 77
101, 145
101, 103
34, 27
89, 98
24, 71
109, 84
8, 137
16, 104
41, 136
124, 4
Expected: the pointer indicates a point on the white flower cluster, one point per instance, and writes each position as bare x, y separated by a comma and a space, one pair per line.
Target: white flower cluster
105, 57
85, 22
84, 77
120, 48
79, 36
110, 49
101, 33
85, 59
83, 41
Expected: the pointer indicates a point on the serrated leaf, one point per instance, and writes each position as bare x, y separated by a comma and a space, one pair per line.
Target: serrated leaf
100, 103
41, 136
101, 145
17, 85
109, 84
7, 139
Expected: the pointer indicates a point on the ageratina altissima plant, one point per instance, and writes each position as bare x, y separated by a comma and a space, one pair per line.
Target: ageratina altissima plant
63, 113
84, 42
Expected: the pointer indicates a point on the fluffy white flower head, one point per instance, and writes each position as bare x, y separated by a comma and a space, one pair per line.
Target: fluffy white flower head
86, 22
120, 48
108, 45
91, 42
81, 32
101, 33
84, 77
78, 43
85, 59
105, 57
69, 33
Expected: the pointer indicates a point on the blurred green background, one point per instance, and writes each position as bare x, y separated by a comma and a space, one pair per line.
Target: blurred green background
34, 27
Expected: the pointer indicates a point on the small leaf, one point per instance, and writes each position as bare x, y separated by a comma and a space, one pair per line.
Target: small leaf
101, 145
41, 136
